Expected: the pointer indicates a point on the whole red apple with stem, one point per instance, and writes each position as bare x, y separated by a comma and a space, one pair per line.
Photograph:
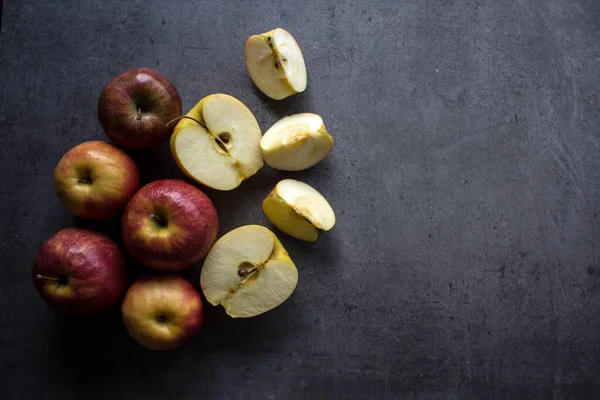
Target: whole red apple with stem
169, 224
162, 311
78, 271
96, 180
135, 107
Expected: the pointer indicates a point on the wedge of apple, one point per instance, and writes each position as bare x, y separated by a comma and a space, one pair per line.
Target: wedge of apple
298, 210
296, 142
217, 143
248, 272
275, 63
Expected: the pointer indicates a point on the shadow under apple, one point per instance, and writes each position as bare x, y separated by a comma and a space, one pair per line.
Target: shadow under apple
221, 333
97, 350
157, 163
294, 104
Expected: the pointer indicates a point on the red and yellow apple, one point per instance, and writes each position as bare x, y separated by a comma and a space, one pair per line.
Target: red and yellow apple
78, 271
162, 312
96, 180
135, 107
169, 225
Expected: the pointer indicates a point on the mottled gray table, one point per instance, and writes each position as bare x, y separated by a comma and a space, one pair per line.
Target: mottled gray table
465, 177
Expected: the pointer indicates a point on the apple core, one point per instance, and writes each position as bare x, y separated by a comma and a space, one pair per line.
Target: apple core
162, 319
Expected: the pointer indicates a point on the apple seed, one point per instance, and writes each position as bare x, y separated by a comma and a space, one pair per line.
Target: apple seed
247, 270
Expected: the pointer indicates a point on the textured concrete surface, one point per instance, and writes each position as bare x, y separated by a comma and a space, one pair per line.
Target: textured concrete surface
465, 176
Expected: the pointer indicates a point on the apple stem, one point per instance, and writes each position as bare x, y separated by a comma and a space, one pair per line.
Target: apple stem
185, 116
46, 278
159, 220
139, 117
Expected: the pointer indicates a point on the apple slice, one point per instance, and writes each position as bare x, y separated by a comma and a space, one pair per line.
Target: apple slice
248, 272
298, 210
296, 142
275, 63
217, 143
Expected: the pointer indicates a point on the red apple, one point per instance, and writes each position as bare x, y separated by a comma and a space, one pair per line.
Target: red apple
169, 225
135, 106
162, 311
96, 180
78, 271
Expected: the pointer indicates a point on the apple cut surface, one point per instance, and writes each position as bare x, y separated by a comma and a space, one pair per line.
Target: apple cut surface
298, 210
296, 142
222, 148
248, 272
275, 63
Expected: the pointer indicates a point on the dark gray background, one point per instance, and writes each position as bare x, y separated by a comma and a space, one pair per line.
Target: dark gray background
465, 177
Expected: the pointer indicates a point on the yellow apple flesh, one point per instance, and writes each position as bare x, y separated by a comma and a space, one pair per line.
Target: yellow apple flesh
222, 147
248, 272
296, 142
275, 63
298, 210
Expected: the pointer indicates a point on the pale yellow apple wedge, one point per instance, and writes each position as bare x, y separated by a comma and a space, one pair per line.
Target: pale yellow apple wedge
221, 148
248, 272
275, 63
296, 142
298, 210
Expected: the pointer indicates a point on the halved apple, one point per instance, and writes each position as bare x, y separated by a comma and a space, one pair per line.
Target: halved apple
296, 142
298, 210
248, 272
217, 143
275, 63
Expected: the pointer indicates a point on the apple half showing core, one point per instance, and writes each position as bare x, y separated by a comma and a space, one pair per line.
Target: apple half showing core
135, 107
162, 312
299, 210
169, 225
77, 271
217, 143
248, 272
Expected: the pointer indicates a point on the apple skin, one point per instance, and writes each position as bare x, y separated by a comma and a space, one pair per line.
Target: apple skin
162, 312
77, 271
169, 225
135, 106
96, 180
